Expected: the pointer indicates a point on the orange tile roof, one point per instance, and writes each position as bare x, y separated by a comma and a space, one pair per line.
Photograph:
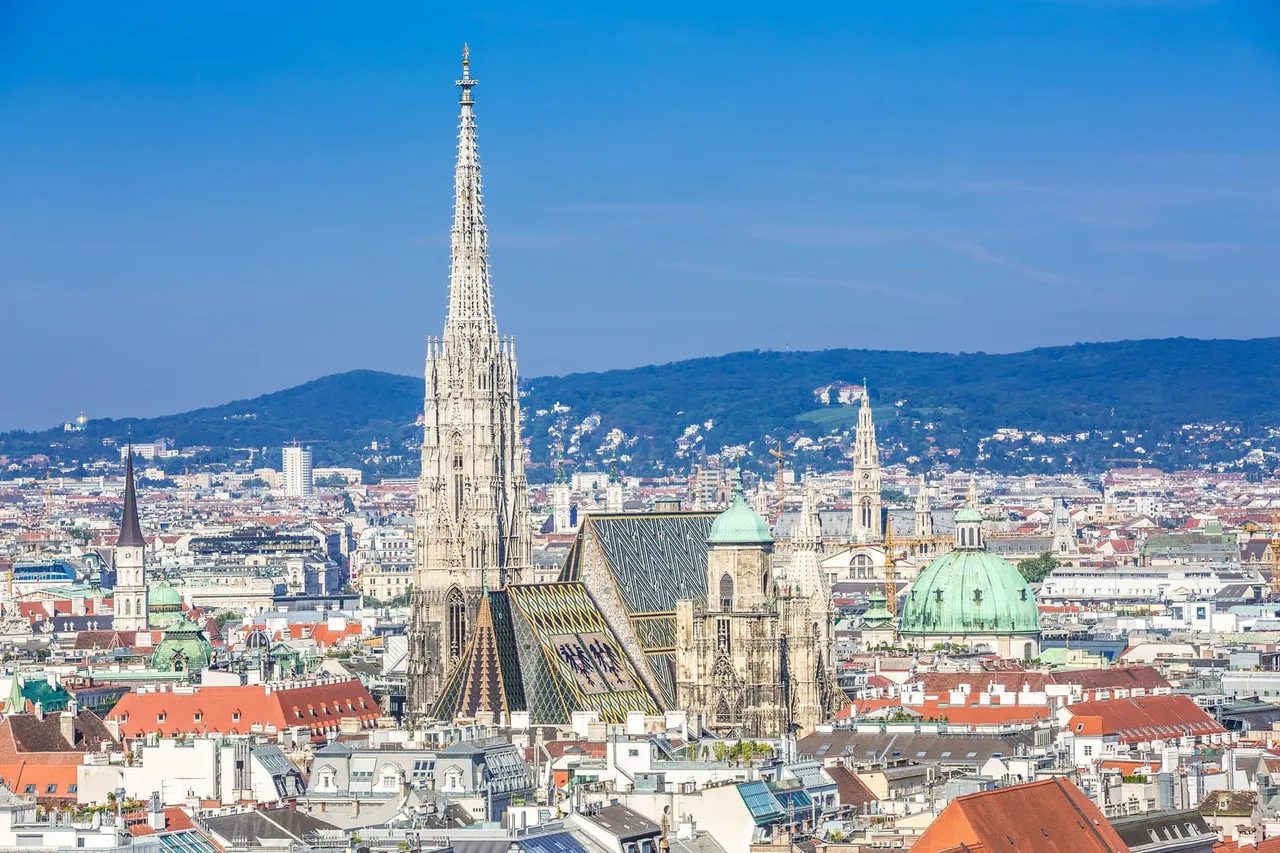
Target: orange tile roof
39, 778
1144, 718
1053, 816
319, 705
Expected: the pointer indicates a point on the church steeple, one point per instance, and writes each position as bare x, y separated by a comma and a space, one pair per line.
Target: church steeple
471, 524
470, 296
130, 527
129, 596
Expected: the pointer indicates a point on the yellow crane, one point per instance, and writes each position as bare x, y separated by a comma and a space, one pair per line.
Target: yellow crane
777, 453
1275, 553
890, 570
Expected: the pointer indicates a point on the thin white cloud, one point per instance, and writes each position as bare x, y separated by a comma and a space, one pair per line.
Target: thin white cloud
984, 255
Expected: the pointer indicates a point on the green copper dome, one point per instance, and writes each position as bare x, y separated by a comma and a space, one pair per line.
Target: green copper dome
970, 592
163, 595
968, 513
183, 649
739, 525
877, 615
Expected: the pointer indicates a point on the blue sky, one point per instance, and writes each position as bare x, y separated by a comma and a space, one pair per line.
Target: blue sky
218, 200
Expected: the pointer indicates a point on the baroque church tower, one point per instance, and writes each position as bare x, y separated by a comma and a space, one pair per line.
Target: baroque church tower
866, 477
130, 594
471, 524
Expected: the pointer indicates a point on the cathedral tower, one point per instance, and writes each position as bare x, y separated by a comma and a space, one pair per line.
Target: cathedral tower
130, 594
471, 523
754, 658
866, 477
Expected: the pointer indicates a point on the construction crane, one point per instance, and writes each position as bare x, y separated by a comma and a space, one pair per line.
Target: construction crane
1275, 553
890, 572
780, 455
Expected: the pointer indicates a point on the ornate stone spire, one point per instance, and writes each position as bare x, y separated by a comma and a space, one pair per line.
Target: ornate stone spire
866, 477
808, 530
471, 523
470, 296
805, 572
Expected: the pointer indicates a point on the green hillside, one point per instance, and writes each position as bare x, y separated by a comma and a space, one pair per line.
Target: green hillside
1125, 395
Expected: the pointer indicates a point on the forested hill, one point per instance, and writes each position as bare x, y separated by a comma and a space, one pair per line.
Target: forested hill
1075, 408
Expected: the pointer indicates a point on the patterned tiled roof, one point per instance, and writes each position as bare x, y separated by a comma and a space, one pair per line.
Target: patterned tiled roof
656, 559
544, 648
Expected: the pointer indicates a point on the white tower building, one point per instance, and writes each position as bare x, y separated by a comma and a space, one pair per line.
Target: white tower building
562, 502
613, 492
297, 478
130, 594
924, 512
866, 477
471, 524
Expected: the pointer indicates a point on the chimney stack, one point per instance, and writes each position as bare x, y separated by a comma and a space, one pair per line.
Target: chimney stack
155, 813
67, 722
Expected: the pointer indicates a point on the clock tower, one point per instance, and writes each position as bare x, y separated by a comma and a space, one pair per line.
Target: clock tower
867, 525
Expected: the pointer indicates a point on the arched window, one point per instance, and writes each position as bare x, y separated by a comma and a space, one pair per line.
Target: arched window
127, 611
1027, 652
764, 582
726, 592
457, 624
457, 480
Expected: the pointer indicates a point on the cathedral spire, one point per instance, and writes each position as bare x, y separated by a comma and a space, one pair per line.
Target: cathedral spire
130, 527
470, 296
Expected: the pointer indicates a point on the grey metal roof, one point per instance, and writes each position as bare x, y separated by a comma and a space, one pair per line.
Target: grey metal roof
623, 823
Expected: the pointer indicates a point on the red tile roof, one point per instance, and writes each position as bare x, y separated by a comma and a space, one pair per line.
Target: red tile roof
1145, 718
319, 705
1053, 816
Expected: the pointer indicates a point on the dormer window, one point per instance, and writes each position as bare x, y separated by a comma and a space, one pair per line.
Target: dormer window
197, 716
161, 717
938, 594
977, 596
235, 716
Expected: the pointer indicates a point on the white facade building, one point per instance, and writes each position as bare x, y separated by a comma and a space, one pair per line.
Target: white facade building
298, 481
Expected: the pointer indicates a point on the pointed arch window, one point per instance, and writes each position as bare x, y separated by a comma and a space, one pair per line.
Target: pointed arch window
457, 479
456, 616
726, 592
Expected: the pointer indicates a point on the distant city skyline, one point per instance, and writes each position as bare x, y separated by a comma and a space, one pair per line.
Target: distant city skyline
222, 202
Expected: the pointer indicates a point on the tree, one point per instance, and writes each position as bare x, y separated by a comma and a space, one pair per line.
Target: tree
1037, 569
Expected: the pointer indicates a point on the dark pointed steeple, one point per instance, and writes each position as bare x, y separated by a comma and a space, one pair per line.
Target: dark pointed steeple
130, 528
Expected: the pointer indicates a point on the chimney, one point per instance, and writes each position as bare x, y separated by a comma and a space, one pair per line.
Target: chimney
155, 813
67, 722
39, 710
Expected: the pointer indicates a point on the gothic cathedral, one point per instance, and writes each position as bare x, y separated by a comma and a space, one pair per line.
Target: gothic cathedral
471, 524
